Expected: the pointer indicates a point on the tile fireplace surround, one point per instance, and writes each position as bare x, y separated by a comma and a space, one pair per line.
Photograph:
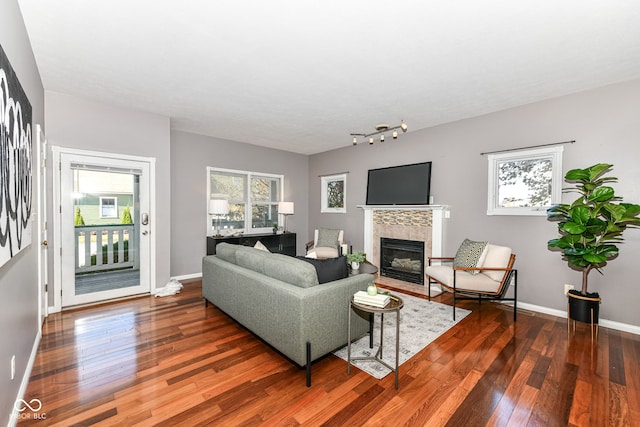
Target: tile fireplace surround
416, 222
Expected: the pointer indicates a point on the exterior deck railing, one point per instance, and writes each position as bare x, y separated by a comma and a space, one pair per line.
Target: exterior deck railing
105, 247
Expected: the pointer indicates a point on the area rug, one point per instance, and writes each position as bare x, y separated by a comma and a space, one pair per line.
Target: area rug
421, 322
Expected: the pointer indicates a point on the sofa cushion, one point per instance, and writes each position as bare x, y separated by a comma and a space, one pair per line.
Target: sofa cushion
497, 257
251, 258
470, 254
329, 269
291, 270
227, 252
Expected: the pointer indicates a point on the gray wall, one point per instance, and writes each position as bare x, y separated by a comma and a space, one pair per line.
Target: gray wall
18, 277
78, 123
605, 124
190, 156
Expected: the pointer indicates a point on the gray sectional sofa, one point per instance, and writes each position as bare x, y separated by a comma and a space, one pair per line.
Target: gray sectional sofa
278, 298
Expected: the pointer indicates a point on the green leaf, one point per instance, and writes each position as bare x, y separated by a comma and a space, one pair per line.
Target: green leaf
609, 251
617, 211
597, 170
580, 215
573, 228
594, 258
602, 194
577, 175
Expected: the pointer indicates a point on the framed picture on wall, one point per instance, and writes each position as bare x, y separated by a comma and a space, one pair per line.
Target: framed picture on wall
16, 191
333, 193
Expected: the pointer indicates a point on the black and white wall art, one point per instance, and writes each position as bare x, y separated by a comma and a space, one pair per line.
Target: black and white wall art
16, 185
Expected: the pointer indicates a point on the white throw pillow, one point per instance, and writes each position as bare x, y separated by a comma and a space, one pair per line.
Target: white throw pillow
261, 246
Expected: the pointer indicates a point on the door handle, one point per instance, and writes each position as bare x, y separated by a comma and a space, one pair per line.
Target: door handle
145, 232
145, 219
45, 243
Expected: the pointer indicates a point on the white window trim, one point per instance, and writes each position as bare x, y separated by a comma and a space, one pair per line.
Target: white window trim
248, 204
115, 199
552, 153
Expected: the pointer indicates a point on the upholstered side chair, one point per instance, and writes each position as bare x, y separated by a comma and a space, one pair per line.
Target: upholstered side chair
484, 275
326, 243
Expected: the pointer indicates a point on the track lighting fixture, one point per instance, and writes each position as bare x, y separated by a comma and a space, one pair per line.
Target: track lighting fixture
380, 130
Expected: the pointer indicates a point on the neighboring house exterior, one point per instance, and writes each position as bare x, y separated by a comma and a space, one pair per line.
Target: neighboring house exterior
102, 197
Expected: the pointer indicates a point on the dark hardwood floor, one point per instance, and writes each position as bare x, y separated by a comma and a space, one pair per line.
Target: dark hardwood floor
171, 361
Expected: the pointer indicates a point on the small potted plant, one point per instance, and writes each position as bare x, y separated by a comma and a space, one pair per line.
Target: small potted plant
355, 258
275, 228
590, 228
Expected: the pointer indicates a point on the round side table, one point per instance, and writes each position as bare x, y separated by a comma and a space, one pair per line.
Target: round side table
394, 305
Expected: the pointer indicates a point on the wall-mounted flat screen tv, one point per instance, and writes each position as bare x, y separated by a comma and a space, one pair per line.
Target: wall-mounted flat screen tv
399, 185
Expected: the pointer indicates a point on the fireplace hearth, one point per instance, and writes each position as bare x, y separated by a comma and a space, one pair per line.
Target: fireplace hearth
402, 259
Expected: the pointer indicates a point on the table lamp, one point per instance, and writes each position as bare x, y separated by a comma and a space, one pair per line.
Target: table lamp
218, 207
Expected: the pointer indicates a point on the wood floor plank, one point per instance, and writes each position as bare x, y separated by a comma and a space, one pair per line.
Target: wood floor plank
173, 361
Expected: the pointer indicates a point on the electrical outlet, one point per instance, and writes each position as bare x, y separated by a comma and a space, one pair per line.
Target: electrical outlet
13, 366
567, 288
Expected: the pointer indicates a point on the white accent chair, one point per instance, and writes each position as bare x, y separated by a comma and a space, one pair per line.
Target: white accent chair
488, 280
315, 251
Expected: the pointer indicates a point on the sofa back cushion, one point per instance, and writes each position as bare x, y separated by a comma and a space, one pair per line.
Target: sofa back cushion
227, 252
291, 270
251, 258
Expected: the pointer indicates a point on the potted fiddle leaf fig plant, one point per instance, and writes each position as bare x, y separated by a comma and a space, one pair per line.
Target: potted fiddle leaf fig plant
590, 229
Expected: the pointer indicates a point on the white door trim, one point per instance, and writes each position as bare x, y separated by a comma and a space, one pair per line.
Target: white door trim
57, 232
41, 219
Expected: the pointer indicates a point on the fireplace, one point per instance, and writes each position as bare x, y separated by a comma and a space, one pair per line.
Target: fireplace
402, 259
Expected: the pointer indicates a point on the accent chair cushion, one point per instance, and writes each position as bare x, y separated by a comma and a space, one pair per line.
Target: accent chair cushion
464, 280
470, 254
322, 252
327, 238
329, 269
497, 257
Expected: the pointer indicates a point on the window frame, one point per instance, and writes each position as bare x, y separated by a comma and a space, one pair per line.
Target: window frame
554, 154
248, 203
115, 207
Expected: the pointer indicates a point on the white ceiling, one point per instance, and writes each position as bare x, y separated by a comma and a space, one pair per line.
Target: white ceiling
302, 75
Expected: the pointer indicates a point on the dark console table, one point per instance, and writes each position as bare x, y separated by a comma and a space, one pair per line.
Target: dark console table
279, 243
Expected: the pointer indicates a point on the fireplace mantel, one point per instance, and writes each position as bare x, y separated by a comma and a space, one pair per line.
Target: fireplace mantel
438, 214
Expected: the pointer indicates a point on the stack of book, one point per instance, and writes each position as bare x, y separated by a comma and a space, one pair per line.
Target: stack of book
379, 300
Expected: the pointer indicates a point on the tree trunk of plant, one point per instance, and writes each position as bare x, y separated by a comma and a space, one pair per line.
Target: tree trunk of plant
585, 273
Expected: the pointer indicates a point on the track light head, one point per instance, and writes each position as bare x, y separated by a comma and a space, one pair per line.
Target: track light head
370, 140
395, 134
355, 141
403, 126
382, 138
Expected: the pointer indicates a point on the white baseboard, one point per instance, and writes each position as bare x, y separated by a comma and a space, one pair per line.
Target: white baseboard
188, 276
633, 329
13, 419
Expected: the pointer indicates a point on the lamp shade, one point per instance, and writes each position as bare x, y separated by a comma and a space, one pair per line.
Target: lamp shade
285, 208
218, 207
